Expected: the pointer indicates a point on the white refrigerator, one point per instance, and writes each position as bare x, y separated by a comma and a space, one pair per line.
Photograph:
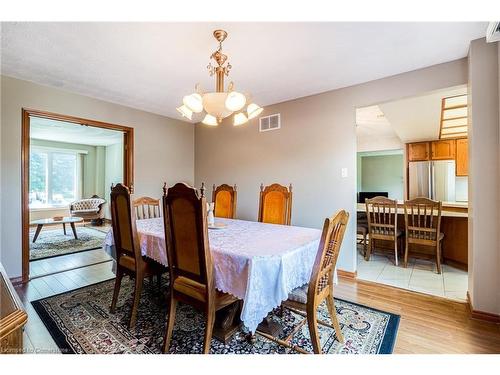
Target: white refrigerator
432, 179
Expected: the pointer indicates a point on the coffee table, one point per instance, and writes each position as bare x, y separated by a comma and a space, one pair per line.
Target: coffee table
65, 220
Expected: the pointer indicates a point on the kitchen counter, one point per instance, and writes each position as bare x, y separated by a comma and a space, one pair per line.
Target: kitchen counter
361, 207
453, 225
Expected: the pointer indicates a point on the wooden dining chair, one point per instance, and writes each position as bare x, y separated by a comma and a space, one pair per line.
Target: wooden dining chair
362, 229
191, 268
423, 226
305, 300
129, 260
146, 208
275, 204
224, 198
382, 215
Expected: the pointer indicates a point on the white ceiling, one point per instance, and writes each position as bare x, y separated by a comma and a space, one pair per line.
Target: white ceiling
372, 121
60, 131
374, 132
418, 118
150, 66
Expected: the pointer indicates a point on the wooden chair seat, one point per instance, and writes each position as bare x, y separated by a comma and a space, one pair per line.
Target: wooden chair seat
150, 267
423, 236
385, 234
198, 291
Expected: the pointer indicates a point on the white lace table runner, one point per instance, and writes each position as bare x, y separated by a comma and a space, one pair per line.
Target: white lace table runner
256, 262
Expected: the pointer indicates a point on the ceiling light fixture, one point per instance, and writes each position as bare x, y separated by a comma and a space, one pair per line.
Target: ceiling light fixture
219, 104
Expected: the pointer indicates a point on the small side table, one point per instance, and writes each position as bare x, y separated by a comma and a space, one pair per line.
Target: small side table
65, 220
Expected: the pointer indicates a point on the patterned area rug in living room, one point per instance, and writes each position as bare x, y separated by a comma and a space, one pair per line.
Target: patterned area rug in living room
80, 322
53, 242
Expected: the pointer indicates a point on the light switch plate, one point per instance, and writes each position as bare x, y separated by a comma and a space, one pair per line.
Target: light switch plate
344, 172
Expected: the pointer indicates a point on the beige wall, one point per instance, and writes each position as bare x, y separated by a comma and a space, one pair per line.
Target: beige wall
383, 173
164, 149
484, 167
316, 141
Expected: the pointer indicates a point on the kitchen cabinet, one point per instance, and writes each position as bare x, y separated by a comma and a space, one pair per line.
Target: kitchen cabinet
443, 149
418, 151
462, 157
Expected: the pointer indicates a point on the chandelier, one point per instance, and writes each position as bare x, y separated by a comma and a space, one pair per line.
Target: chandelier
219, 104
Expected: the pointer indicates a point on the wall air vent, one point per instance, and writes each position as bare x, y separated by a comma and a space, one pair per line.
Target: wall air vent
493, 32
272, 122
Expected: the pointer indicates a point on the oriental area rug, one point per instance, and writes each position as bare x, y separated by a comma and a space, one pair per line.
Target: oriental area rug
79, 321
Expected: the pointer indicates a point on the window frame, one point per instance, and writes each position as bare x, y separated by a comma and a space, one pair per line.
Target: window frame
50, 151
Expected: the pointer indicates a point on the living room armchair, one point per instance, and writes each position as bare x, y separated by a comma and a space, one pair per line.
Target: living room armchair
89, 209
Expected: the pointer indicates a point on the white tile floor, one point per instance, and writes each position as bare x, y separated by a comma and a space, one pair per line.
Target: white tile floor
420, 276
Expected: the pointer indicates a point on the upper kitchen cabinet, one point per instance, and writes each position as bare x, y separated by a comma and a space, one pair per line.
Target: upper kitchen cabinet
462, 157
418, 151
443, 149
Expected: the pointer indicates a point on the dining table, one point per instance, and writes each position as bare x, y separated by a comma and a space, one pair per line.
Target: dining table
259, 263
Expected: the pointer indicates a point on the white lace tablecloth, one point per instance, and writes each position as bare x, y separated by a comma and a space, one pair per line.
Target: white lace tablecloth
256, 262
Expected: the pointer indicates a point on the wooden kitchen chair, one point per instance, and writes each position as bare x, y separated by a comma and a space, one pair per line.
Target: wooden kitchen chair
362, 230
224, 198
146, 208
382, 215
306, 299
129, 259
191, 268
423, 226
275, 204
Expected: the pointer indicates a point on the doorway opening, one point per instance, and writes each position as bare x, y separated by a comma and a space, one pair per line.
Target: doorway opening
68, 166
414, 148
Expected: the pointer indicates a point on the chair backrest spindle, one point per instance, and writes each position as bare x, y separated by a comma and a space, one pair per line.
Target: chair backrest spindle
147, 208
328, 252
422, 220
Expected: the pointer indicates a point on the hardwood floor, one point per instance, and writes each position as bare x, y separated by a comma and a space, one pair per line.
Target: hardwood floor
66, 262
428, 324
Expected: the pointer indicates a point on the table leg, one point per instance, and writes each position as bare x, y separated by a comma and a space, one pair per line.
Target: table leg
267, 326
64, 228
37, 232
251, 338
270, 327
74, 230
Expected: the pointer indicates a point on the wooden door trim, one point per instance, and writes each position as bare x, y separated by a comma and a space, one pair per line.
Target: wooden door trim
128, 166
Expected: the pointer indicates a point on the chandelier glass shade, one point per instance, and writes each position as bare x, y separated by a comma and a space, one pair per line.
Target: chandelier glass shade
220, 104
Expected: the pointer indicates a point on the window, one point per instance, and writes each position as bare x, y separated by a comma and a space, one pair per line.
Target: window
53, 178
